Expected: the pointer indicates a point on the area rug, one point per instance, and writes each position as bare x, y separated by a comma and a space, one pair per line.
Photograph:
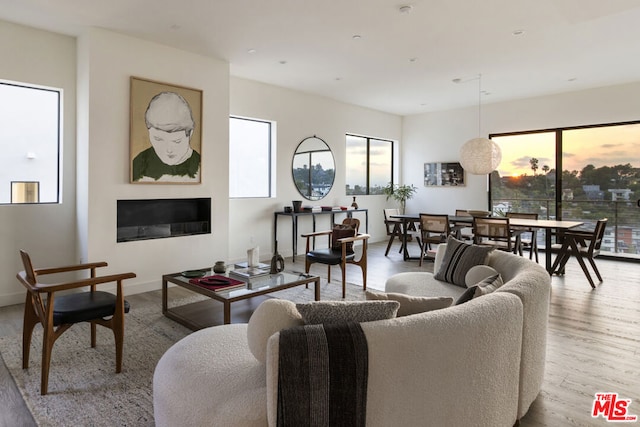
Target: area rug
84, 389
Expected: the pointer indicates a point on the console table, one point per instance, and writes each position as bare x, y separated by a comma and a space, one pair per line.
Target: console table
294, 223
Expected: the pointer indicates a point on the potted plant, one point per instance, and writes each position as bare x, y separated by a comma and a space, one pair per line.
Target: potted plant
400, 193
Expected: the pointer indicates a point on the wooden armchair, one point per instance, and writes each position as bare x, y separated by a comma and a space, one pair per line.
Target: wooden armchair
462, 230
58, 312
394, 228
434, 229
581, 244
495, 232
527, 237
340, 250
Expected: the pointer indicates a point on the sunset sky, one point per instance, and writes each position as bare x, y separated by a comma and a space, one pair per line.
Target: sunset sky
602, 146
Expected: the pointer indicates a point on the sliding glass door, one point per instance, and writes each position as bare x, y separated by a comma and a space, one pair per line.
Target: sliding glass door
600, 178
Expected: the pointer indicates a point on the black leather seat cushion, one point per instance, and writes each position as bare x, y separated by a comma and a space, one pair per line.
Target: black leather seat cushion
84, 306
328, 256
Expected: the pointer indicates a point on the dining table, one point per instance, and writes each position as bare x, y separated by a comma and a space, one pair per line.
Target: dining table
548, 225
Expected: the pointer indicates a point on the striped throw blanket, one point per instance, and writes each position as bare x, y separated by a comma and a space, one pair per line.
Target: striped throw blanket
322, 376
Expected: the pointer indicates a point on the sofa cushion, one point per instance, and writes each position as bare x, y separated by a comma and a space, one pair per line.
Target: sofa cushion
484, 287
270, 317
347, 311
458, 259
410, 304
478, 273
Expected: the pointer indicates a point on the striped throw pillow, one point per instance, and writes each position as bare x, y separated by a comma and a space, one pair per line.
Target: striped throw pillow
458, 260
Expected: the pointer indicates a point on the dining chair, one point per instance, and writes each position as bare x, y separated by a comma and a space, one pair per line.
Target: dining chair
58, 312
433, 229
495, 232
393, 226
527, 237
462, 230
341, 239
581, 245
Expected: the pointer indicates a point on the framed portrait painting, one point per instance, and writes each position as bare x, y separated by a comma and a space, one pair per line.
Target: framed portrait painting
165, 133
443, 174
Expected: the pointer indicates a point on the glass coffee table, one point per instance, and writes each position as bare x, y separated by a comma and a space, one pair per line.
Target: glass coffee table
203, 314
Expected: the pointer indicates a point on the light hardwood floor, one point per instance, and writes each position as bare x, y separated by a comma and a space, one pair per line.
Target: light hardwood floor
593, 340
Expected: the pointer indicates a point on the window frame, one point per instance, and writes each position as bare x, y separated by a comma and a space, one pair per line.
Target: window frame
58, 146
558, 132
368, 162
271, 150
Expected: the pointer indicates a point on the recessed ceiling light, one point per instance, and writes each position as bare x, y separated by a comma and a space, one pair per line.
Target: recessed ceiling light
572, 79
413, 59
407, 8
338, 79
517, 32
282, 62
356, 37
251, 51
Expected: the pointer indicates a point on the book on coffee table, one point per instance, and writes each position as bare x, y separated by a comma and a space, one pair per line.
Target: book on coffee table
245, 264
218, 283
249, 273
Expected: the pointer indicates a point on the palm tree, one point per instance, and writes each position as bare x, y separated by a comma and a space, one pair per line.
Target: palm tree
534, 165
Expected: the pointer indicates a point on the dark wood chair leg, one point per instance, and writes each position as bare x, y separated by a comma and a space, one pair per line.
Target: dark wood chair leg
393, 236
595, 269
30, 321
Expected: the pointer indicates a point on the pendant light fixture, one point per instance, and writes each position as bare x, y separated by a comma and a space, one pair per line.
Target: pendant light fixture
479, 156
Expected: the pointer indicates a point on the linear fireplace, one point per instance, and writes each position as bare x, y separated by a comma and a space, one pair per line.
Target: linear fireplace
160, 218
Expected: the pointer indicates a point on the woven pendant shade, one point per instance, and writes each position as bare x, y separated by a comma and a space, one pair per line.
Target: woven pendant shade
480, 156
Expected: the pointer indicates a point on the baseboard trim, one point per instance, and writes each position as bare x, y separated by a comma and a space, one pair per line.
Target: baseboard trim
12, 298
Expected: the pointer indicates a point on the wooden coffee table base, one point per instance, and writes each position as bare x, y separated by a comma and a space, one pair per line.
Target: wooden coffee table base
209, 312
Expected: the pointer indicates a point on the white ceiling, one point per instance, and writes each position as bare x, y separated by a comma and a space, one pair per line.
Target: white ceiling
403, 63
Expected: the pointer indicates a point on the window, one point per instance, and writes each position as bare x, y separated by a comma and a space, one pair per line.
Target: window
25, 192
30, 120
250, 158
600, 178
369, 165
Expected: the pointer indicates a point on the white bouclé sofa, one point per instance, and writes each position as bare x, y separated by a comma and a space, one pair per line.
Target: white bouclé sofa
480, 363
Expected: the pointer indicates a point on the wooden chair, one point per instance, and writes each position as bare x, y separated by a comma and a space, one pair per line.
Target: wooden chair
580, 244
495, 232
461, 230
57, 312
434, 229
394, 228
527, 235
339, 251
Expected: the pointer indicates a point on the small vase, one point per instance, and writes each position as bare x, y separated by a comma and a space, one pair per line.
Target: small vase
354, 205
219, 267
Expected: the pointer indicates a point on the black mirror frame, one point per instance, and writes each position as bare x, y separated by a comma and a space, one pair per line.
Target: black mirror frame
306, 191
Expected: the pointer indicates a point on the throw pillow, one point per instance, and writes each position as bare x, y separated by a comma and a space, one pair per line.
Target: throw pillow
341, 231
270, 317
484, 287
478, 273
459, 257
410, 304
489, 285
314, 313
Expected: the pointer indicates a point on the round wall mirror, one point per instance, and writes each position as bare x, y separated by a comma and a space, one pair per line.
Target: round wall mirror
313, 168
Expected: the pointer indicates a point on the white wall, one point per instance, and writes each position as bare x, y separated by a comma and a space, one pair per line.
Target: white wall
437, 137
106, 61
47, 232
298, 116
